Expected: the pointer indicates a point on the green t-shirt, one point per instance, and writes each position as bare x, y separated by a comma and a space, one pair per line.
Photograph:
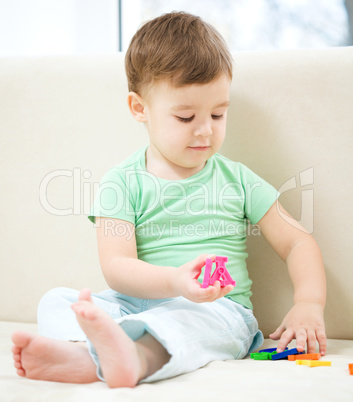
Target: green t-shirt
177, 220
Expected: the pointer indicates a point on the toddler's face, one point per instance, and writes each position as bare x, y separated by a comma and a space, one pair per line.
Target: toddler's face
186, 125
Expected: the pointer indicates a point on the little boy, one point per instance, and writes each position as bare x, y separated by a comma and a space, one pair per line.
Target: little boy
158, 216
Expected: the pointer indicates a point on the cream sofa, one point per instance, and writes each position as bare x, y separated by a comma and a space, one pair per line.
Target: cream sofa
64, 122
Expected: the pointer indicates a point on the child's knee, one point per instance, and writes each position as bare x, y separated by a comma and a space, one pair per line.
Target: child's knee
58, 296
55, 317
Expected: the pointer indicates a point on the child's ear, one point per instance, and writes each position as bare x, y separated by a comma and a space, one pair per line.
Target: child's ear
136, 106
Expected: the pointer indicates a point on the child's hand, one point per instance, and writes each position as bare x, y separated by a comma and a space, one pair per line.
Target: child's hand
305, 323
186, 284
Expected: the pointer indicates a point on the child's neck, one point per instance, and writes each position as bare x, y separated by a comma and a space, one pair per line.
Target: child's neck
168, 170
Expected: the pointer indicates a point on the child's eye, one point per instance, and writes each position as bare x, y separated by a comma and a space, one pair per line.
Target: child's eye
217, 117
185, 119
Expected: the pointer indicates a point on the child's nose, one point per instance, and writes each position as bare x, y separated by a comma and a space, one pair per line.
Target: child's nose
204, 129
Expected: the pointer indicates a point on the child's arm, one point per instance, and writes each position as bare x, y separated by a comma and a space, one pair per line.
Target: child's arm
305, 321
126, 274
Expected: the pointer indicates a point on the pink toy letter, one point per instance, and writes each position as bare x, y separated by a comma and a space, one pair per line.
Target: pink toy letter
220, 273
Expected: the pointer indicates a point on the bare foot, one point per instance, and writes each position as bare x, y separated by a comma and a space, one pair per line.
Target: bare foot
122, 361
40, 358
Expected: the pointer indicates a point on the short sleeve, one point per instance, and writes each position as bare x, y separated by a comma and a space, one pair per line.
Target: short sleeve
259, 195
113, 198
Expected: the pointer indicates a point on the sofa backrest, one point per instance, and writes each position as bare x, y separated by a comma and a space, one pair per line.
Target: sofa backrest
64, 122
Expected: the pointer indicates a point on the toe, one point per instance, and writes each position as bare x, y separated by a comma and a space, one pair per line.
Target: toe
18, 365
85, 294
21, 339
86, 310
15, 350
21, 372
77, 308
82, 308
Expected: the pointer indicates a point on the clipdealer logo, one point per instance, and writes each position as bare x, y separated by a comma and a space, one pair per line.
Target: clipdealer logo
80, 198
83, 191
306, 182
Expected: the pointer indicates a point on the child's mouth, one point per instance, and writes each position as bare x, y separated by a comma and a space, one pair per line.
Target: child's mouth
204, 148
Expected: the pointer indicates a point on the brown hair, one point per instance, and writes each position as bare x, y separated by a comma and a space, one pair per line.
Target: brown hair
177, 46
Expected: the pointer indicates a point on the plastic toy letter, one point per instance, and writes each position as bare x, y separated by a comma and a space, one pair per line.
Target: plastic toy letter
220, 273
313, 363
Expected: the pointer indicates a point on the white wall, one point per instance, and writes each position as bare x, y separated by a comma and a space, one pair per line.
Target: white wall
56, 27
